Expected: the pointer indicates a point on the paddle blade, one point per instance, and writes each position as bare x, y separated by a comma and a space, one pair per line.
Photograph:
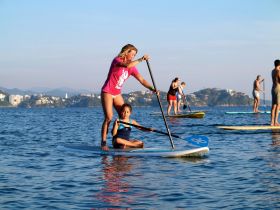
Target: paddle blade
198, 140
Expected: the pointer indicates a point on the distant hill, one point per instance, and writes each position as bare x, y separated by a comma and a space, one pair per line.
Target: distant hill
205, 97
59, 92
219, 97
56, 98
16, 91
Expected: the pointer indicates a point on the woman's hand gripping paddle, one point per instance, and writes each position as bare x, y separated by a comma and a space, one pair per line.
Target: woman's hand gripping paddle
195, 140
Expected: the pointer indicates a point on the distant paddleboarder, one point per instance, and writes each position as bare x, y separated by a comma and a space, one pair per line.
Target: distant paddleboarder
121, 68
275, 93
180, 96
256, 92
171, 95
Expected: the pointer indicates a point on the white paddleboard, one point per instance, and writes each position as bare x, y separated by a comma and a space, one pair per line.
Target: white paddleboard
260, 112
250, 127
156, 152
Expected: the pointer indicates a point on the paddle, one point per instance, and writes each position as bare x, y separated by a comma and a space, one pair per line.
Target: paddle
163, 116
264, 96
184, 107
196, 140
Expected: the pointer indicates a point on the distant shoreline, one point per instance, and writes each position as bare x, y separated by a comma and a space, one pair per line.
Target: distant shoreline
209, 97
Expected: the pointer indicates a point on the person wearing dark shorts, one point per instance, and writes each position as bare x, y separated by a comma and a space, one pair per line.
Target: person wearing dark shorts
121, 131
171, 96
275, 93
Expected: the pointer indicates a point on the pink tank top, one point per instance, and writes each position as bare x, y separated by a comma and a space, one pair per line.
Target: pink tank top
117, 76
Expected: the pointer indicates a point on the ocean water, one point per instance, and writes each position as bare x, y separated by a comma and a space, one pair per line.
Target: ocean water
241, 171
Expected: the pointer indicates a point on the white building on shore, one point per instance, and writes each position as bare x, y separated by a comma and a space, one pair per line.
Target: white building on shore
2, 97
15, 99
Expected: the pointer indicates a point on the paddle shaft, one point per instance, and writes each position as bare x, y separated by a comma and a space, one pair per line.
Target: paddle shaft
150, 129
264, 95
164, 119
196, 140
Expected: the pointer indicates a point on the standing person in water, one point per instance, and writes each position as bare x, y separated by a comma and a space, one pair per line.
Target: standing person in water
180, 96
121, 68
275, 93
121, 132
256, 92
171, 96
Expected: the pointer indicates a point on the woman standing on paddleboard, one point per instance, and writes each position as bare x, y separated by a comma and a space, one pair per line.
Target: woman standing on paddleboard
171, 96
121, 68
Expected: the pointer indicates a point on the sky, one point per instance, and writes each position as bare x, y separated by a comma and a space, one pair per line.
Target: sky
71, 43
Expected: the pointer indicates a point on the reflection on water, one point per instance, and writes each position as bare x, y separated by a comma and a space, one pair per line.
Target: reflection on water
275, 134
118, 189
115, 170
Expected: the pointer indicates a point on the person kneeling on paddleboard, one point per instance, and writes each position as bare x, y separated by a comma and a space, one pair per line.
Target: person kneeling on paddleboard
121, 132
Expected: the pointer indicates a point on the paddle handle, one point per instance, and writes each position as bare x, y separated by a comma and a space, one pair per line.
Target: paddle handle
164, 119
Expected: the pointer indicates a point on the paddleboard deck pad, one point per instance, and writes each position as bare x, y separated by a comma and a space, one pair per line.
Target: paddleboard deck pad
155, 152
250, 127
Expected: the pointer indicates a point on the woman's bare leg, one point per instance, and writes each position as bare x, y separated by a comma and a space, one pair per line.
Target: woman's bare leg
272, 114
107, 105
276, 123
175, 107
118, 102
169, 107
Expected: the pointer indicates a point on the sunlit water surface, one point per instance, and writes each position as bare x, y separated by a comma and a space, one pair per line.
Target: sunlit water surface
241, 171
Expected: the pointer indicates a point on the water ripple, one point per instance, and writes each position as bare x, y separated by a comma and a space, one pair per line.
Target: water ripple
241, 171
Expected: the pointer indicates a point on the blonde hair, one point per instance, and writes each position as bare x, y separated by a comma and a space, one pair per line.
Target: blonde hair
126, 49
